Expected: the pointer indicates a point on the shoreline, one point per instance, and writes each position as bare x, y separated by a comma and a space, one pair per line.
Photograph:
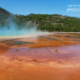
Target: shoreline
35, 35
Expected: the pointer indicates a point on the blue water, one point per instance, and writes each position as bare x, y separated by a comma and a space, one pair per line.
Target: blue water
13, 29
15, 32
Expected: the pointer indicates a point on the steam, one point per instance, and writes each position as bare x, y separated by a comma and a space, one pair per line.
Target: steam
13, 29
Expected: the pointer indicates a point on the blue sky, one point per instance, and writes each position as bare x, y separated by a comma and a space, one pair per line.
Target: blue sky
26, 7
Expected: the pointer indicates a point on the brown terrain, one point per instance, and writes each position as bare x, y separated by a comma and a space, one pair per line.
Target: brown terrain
45, 57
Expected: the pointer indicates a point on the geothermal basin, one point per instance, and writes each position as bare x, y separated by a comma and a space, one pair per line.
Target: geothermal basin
44, 57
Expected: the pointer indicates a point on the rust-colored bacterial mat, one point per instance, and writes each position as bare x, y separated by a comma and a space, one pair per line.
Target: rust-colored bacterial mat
45, 57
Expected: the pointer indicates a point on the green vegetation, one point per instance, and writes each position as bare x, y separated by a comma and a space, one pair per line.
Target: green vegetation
44, 22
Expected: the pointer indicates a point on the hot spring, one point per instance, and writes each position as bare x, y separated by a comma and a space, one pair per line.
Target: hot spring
14, 30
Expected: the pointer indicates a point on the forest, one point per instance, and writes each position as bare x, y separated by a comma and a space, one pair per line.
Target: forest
44, 22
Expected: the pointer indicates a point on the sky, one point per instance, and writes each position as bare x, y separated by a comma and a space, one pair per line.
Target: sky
26, 7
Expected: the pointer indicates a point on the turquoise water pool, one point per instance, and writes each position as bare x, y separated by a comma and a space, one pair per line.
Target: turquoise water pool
16, 32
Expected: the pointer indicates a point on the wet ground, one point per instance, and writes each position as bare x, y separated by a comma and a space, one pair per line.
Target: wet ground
45, 57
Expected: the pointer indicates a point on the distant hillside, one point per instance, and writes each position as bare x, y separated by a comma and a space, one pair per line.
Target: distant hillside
4, 14
44, 22
53, 22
